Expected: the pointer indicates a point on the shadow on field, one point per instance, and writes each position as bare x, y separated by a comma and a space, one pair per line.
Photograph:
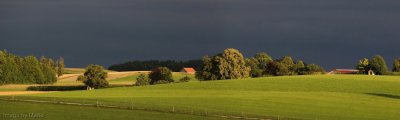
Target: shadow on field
66, 88
55, 88
384, 95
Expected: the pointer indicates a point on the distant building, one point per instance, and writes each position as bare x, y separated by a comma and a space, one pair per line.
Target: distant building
370, 72
344, 71
189, 70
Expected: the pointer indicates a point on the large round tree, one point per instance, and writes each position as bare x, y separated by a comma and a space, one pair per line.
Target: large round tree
233, 65
378, 65
95, 77
160, 75
228, 65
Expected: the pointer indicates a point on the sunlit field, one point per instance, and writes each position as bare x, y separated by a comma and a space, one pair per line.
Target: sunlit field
326, 97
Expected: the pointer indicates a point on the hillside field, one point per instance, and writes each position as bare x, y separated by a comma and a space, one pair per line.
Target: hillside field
322, 97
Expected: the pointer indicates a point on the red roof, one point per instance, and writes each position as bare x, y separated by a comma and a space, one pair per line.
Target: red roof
189, 70
346, 71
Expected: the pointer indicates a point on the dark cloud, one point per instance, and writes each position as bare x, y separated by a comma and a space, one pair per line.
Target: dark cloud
333, 33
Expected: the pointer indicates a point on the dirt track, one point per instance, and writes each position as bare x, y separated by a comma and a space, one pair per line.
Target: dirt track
21, 92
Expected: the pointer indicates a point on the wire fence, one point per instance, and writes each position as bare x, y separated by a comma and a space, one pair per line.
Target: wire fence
146, 107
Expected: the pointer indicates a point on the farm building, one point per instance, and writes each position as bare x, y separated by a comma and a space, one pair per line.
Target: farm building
188, 70
344, 71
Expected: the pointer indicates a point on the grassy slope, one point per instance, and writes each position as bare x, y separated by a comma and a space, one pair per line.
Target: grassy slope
73, 70
65, 112
310, 97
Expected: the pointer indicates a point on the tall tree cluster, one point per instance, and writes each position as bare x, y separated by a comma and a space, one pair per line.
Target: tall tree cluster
60, 67
263, 65
376, 64
26, 70
258, 64
286, 66
232, 65
227, 65
396, 65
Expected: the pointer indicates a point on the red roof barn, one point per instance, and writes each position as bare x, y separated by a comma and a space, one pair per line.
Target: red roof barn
345, 71
188, 70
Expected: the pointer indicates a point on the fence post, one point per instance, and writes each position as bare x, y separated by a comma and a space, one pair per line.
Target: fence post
132, 105
173, 109
278, 117
97, 103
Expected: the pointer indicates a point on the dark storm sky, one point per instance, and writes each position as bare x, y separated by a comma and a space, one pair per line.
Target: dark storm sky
332, 33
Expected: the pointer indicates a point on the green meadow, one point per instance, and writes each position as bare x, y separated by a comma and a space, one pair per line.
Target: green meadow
322, 97
40, 111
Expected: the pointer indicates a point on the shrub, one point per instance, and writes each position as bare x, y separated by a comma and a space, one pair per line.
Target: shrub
313, 69
184, 79
162, 82
142, 80
395, 73
256, 72
277, 69
160, 74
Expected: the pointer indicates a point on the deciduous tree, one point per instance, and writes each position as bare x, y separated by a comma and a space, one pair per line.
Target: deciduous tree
363, 65
49, 73
142, 80
60, 66
160, 75
378, 65
95, 76
228, 65
396, 65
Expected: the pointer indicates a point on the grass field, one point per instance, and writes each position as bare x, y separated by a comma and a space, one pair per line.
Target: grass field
322, 97
21, 111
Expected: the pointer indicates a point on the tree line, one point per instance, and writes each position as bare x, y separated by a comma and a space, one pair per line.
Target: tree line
148, 65
230, 64
378, 65
95, 77
29, 70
